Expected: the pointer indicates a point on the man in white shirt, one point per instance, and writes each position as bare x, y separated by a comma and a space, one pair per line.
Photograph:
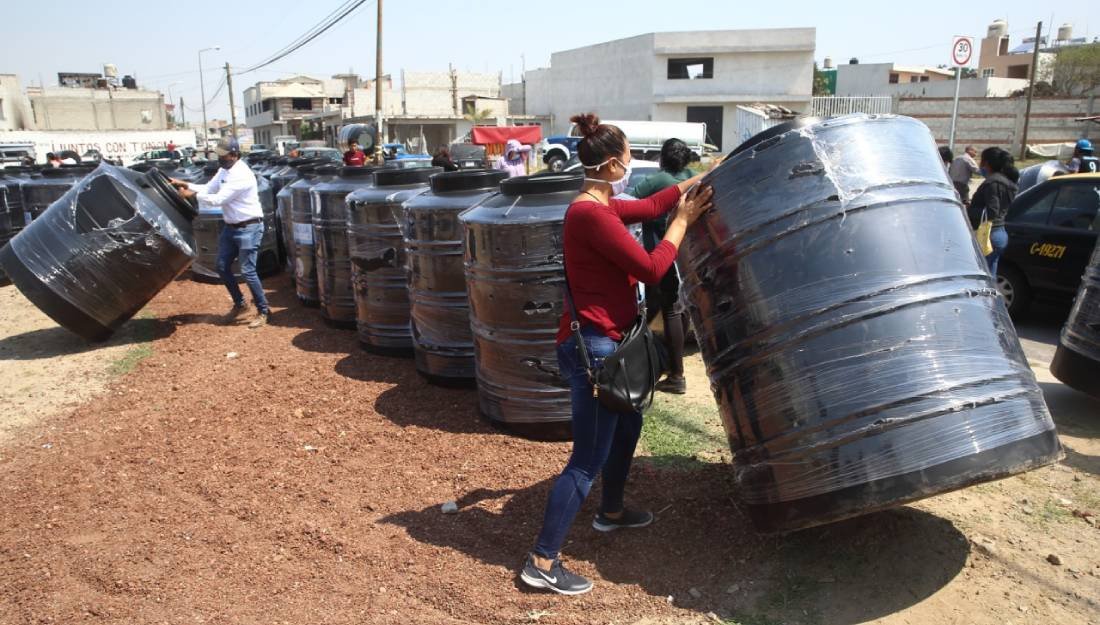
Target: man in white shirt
233, 189
961, 170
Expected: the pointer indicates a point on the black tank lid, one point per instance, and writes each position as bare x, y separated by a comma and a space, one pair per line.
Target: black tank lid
348, 171
469, 180
327, 170
64, 172
775, 131
542, 183
160, 183
298, 162
395, 177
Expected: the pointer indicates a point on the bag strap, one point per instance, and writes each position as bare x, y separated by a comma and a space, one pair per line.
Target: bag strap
575, 324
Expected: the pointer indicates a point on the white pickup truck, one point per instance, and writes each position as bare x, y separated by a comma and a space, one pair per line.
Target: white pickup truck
646, 139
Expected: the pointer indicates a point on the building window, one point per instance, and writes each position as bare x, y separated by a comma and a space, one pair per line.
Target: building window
1018, 71
266, 104
690, 69
1, 108
988, 72
893, 79
336, 100
914, 79
925, 79
301, 104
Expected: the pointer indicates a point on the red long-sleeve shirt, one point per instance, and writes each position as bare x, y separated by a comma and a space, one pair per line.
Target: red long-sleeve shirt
605, 262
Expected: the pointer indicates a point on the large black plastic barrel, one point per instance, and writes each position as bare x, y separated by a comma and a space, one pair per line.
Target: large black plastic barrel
514, 278
41, 191
301, 222
103, 250
330, 234
858, 350
11, 215
1077, 360
378, 257
439, 309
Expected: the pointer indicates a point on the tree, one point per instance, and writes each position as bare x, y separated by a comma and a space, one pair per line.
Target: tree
821, 82
1077, 70
478, 118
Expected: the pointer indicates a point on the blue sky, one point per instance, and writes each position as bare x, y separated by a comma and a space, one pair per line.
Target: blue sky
158, 41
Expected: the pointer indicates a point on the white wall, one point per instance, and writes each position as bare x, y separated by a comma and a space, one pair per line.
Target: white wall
863, 79
120, 144
613, 80
539, 91
13, 104
969, 88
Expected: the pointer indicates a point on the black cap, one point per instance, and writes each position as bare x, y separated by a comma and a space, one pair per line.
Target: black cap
542, 183
469, 180
327, 170
395, 177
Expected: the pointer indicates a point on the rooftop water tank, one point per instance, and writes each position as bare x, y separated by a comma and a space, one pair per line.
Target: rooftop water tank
514, 278
856, 344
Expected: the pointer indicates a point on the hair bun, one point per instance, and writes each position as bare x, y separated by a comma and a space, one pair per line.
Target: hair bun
587, 123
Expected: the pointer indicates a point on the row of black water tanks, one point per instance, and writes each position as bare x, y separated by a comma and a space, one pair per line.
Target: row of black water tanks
855, 343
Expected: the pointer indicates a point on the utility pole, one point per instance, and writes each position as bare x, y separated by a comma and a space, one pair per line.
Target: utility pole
183, 115
1031, 89
378, 91
232, 108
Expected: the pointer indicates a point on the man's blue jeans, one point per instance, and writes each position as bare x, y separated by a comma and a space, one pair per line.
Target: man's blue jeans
244, 243
603, 442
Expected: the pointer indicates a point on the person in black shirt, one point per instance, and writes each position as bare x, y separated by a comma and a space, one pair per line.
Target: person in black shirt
993, 198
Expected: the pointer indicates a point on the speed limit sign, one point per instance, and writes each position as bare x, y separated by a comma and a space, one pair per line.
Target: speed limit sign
961, 50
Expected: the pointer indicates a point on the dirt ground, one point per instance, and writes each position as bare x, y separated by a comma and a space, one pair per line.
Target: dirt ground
300, 481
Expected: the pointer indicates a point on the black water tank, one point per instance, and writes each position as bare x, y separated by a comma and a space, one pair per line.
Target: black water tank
301, 218
103, 250
378, 257
332, 242
11, 215
857, 347
514, 279
1077, 360
439, 310
41, 191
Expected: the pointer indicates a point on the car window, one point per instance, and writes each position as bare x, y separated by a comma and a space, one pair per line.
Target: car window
1076, 206
1035, 212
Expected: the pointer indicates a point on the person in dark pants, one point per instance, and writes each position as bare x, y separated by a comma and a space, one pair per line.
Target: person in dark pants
675, 156
994, 197
603, 264
233, 189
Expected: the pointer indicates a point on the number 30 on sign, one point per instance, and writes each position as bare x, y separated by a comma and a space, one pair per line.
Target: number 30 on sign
962, 50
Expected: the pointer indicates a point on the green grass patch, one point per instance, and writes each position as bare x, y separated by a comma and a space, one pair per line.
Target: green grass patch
141, 348
679, 432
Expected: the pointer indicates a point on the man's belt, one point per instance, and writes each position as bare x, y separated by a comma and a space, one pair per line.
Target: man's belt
247, 222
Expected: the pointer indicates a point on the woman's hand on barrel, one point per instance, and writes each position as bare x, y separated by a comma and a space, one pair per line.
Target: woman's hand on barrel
694, 203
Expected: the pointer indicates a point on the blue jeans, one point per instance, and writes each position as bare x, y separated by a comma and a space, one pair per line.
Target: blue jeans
245, 243
603, 442
999, 238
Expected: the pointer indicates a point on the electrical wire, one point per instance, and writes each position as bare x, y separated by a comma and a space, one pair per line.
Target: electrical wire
319, 29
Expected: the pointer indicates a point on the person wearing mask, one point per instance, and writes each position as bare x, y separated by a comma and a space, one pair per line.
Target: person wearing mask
443, 159
962, 169
994, 197
233, 189
675, 156
52, 160
603, 265
514, 159
354, 157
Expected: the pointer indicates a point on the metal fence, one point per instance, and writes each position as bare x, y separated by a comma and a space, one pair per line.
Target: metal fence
829, 106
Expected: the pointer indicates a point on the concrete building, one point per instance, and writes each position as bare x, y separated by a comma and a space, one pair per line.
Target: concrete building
103, 108
997, 59
698, 76
875, 79
13, 104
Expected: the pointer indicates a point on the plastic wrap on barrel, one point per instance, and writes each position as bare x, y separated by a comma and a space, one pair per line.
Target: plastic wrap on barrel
117, 254
850, 329
1077, 360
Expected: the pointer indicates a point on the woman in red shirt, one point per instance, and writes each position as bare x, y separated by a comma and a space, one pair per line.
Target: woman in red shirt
604, 264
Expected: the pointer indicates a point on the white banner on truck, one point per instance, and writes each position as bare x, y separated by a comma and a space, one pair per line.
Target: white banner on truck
113, 144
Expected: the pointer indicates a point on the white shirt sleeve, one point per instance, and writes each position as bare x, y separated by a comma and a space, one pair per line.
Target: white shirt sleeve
220, 191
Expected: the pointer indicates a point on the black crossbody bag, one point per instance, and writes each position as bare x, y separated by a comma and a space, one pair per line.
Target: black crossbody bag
626, 379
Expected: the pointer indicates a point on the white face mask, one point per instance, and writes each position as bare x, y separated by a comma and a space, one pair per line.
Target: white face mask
617, 186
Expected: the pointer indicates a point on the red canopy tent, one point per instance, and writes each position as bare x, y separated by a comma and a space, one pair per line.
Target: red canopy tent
489, 135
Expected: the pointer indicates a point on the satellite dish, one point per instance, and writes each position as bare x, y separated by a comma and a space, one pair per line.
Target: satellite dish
363, 134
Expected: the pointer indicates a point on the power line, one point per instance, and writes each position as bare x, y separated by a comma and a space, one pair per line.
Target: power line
319, 29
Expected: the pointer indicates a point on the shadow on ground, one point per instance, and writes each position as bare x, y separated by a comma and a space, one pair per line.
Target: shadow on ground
57, 341
1074, 412
703, 552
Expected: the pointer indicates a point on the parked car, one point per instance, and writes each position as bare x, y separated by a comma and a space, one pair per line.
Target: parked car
18, 153
469, 156
639, 169
397, 151
1052, 230
646, 139
159, 155
331, 154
